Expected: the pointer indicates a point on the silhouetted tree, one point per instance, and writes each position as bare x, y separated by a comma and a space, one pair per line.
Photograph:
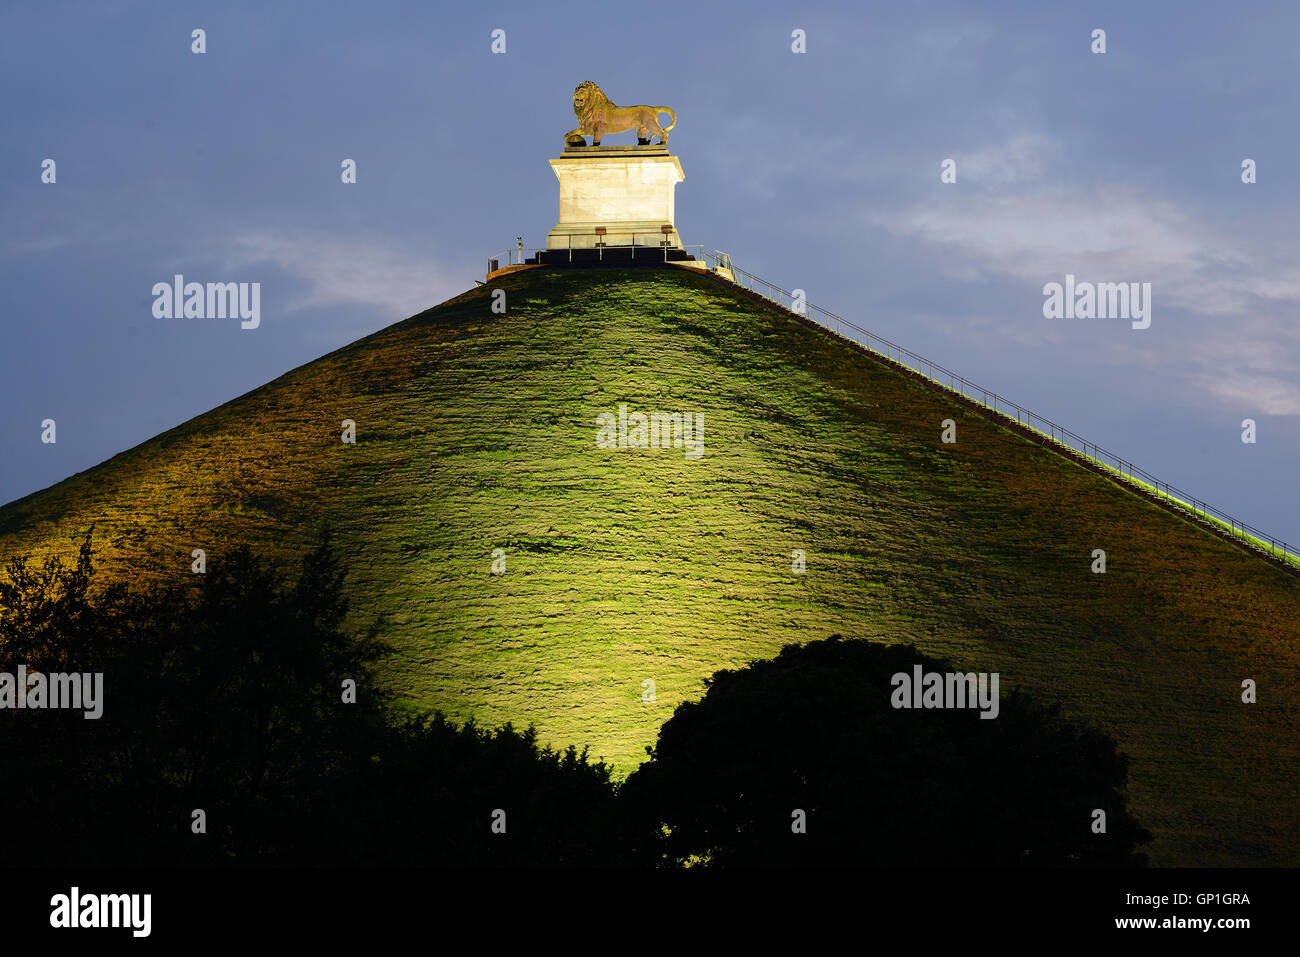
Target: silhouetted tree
226, 694
443, 783
814, 730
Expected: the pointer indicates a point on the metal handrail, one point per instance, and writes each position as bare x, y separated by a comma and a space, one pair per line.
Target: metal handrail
510, 254
1058, 434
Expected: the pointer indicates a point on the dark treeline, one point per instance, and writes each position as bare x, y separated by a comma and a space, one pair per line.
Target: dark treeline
225, 694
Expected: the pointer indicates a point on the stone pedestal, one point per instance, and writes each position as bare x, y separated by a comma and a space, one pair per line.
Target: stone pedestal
625, 190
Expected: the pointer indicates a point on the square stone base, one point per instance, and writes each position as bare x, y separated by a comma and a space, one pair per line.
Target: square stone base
627, 190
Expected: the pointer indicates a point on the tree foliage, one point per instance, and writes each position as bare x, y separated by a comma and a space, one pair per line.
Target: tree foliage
226, 694
814, 730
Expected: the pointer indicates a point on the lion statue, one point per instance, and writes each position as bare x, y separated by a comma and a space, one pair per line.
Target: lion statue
597, 115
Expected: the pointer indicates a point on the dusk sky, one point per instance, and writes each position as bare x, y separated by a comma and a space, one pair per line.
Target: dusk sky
818, 171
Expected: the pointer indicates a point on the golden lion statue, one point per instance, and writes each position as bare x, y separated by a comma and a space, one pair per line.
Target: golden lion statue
598, 115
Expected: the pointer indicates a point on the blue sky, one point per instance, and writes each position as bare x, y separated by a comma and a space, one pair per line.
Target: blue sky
818, 171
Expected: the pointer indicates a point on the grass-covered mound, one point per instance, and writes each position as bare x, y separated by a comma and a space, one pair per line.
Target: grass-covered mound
478, 431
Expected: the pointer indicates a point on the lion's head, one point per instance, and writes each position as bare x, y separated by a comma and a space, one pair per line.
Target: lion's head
586, 96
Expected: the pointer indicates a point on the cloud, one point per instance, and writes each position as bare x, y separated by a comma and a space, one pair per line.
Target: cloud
1023, 158
1035, 236
338, 272
1256, 373
1242, 349
37, 246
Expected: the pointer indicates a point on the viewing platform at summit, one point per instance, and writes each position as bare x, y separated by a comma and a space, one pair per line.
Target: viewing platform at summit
614, 255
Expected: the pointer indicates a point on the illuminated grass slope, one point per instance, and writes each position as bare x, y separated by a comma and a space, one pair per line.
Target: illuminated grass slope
477, 432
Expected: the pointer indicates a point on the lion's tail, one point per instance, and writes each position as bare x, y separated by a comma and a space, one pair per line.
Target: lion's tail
664, 109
